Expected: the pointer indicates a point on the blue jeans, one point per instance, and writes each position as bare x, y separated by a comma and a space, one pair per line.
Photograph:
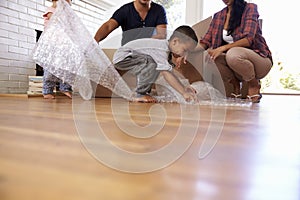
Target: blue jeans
49, 83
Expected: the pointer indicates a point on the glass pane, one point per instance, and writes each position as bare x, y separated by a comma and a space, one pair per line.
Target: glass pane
279, 30
211, 6
175, 12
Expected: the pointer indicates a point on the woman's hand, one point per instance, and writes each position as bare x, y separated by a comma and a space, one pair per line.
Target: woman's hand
214, 53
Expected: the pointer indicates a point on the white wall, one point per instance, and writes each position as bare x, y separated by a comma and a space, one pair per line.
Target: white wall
18, 21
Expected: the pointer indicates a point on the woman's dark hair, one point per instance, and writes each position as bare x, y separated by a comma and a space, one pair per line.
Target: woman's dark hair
185, 33
238, 8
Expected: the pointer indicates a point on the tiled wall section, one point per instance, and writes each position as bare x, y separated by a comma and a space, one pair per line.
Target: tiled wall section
18, 21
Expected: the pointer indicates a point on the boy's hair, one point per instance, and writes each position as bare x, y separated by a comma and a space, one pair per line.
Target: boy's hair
185, 33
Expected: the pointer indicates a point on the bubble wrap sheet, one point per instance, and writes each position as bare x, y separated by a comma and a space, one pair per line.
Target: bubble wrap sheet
67, 50
206, 94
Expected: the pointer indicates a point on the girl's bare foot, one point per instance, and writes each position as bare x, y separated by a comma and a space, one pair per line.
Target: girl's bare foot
145, 99
68, 94
49, 96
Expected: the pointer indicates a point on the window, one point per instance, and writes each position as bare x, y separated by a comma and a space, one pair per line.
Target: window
175, 12
280, 33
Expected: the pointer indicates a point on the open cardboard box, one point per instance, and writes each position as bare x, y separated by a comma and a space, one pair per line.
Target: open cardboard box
193, 70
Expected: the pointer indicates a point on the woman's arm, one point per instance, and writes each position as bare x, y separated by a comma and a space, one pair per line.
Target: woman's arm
214, 53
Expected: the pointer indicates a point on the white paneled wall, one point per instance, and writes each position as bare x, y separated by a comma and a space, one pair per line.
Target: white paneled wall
18, 21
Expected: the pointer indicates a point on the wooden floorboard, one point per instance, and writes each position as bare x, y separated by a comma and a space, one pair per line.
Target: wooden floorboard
52, 149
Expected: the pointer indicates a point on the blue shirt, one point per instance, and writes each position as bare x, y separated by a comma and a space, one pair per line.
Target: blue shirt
133, 26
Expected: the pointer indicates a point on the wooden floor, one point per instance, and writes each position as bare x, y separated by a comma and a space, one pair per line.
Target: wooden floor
51, 149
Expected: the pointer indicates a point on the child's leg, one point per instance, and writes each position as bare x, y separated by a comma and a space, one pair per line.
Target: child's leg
65, 88
49, 82
144, 67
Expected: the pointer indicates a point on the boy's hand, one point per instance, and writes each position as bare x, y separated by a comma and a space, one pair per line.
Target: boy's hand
190, 94
179, 61
190, 89
189, 97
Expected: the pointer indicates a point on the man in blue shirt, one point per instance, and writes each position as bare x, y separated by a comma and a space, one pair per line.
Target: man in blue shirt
138, 19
